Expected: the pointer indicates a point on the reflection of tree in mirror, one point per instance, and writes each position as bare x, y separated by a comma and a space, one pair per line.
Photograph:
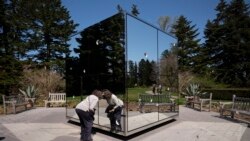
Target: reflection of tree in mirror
135, 10
119, 8
132, 75
169, 69
73, 83
102, 55
147, 74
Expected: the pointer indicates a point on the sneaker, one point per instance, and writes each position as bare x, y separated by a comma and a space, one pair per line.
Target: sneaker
118, 129
117, 123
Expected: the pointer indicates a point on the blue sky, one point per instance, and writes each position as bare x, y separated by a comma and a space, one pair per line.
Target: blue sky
88, 12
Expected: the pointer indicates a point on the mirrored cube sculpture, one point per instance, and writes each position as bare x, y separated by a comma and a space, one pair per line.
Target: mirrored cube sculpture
134, 60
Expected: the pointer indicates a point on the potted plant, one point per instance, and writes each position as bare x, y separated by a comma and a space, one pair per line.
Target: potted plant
30, 94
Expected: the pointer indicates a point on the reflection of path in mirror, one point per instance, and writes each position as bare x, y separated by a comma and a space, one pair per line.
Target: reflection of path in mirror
100, 117
135, 118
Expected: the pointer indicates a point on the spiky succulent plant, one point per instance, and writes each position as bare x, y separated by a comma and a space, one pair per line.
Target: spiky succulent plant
30, 91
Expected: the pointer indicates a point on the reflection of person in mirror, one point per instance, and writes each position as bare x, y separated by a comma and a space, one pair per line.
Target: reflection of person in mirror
85, 111
154, 88
159, 89
114, 110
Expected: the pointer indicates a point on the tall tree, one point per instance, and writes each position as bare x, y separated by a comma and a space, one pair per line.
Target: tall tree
101, 51
135, 10
49, 29
10, 68
227, 43
132, 76
236, 45
119, 8
214, 33
147, 75
188, 45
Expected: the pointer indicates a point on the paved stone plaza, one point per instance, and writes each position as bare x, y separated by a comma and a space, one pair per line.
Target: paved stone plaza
50, 124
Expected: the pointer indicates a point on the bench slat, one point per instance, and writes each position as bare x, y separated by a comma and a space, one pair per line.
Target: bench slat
56, 98
14, 101
240, 105
155, 100
206, 98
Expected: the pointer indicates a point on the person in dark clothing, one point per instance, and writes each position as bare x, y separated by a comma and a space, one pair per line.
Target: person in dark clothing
85, 111
153, 88
114, 110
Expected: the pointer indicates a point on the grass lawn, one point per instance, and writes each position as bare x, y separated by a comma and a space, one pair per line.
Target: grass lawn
132, 95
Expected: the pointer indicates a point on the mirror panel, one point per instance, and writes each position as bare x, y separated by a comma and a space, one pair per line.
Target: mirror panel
73, 81
101, 63
104, 62
141, 71
168, 76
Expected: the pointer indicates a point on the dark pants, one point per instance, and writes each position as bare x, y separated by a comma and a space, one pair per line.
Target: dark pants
86, 121
115, 119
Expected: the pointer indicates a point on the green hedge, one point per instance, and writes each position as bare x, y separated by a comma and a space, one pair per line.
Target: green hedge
227, 94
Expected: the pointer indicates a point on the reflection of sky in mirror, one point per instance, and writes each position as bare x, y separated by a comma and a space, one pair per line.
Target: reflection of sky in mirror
165, 42
141, 41
84, 12
73, 44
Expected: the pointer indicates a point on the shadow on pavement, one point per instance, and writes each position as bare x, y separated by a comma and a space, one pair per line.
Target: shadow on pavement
125, 138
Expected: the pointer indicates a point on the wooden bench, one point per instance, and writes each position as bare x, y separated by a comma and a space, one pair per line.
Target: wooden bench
239, 105
14, 101
55, 98
204, 99
155, 100
188, 100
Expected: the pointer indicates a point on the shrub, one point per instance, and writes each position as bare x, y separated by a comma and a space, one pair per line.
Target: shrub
227, 93
30, 92
184, 80
192, 90
45, 81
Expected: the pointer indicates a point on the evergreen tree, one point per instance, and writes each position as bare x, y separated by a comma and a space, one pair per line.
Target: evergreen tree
187, 44
146, 73
212, 50
102, 56
48, 29
10, 68
119, 8
141, 72
227, 43
236, 60
135, 10
132, 77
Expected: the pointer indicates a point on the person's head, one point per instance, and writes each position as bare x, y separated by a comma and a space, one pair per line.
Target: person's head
107, 94
97, 93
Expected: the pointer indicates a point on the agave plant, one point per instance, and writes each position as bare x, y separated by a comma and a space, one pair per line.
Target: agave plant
193, 90
30, 91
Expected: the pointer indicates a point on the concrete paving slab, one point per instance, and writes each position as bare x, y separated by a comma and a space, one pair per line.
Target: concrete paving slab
50, 124
42, 131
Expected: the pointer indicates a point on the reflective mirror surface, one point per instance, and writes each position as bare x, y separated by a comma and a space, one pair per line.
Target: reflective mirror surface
100, 64
152, 74
135, 61
142, 60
